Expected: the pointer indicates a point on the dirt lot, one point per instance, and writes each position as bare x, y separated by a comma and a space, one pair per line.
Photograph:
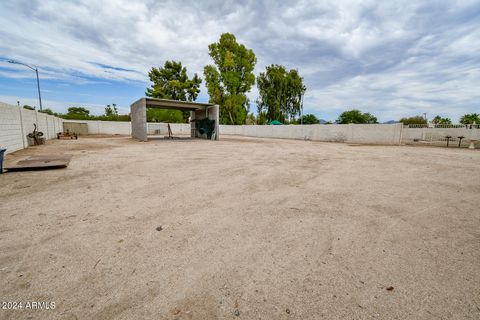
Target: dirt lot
251, 229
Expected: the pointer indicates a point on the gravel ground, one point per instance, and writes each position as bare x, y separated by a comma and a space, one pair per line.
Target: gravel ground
242, 229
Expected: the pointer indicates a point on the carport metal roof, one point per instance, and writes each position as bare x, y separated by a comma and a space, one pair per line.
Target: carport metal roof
173, 104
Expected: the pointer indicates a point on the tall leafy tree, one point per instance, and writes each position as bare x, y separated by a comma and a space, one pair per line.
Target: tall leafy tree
280, 93
111, 110
251, 119
172, 82
470, 118
356, 116
230, 78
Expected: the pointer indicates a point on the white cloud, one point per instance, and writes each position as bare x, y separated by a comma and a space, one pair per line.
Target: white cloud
393, 58
59, 106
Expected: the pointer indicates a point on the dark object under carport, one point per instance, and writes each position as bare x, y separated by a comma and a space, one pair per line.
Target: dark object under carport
42, 162
207, 127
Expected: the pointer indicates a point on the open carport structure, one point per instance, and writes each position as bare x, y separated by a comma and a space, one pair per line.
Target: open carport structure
198, 112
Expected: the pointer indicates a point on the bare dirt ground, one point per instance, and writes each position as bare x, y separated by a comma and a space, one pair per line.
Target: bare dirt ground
251, 229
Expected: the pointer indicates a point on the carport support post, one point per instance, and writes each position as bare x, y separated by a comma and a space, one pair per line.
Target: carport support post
138, 114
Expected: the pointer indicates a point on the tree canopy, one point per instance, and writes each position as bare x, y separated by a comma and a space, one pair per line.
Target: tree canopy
165, 115
111, 110
78, 111
440, 120
280, 92
48, 111
413, 120
310, 119
172, 82
230, 78
82, 113
470, 118
356, 116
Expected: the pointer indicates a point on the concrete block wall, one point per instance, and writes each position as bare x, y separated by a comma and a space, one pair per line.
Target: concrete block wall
125, 127
16, 123
10, 128
106, 127
438, 134
351, 133
177, 128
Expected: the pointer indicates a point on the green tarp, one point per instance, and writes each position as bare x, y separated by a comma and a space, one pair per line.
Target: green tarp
275, 122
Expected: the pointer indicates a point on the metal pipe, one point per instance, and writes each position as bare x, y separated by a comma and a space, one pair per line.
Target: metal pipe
38, 86
38, 79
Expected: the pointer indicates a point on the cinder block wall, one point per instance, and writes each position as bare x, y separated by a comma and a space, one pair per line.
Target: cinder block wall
435, 134
16, 123
106, 127
125, 127
351, 133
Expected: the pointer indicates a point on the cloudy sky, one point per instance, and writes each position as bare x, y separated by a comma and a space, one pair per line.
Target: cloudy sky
390, 58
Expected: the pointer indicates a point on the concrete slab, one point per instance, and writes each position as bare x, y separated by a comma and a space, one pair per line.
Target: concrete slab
41, 162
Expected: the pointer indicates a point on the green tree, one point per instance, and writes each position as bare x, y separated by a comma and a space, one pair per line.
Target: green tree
111, 111
262, 118
80, 113
251, 119
413, 120
280, 93
356, 116
230, 78
28, 107
309, 119
470, 118
164, 115
48, 111
440, 120
172, 82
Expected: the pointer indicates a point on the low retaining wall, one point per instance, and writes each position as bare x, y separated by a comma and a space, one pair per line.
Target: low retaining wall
390, 134
439, 134
350, 133
16, 123
125, 127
